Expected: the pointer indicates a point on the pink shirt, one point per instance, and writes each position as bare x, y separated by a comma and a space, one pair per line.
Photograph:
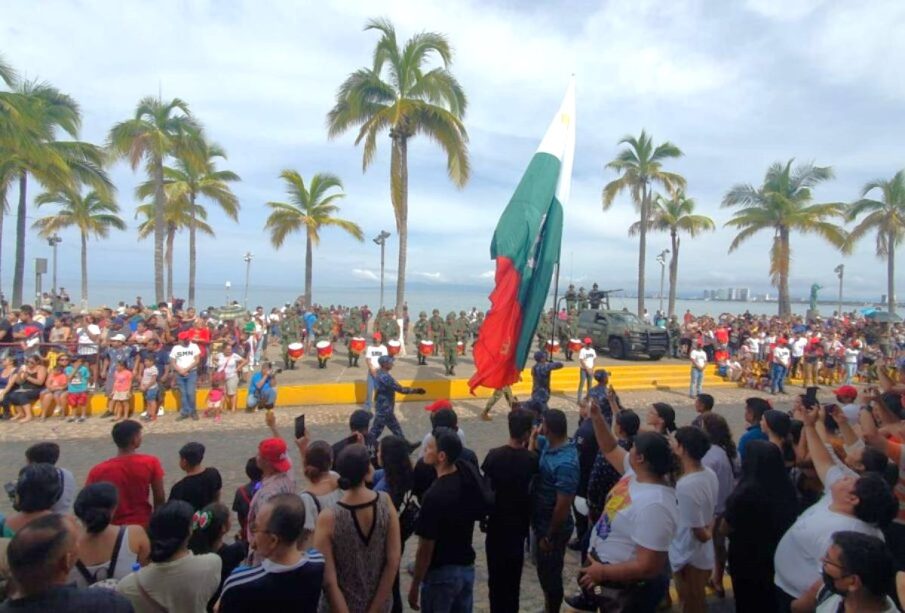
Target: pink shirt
215, 395
122, 380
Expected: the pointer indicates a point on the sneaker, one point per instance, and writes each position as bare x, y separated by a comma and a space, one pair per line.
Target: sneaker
486, 417
580, 602
81, 420
574, 545
160, 412
144, 414
217, 419
70, 420
194, 416
107, 414
182, 417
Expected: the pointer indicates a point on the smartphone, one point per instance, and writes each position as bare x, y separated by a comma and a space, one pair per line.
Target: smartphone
810, 397
10, 490
300, 426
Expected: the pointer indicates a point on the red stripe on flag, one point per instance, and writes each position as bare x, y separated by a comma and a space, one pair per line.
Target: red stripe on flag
494, 353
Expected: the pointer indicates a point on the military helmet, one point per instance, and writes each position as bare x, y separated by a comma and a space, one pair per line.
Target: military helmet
422, 314
461, 313
436, 311
452, 315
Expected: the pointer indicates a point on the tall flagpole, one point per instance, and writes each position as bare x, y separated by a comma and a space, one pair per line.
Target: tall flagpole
555, 309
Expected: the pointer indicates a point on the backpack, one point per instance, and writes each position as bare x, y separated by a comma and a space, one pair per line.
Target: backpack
409, 511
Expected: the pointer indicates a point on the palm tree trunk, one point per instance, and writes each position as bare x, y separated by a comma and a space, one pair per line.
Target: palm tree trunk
785, 304
192, 256
2, 215
159, 203
171, 235
399, 176
309, 265
673, 273
19, 270
642, 248
891, 273
84, 268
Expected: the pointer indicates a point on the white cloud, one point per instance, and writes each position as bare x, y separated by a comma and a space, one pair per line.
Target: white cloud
368, 275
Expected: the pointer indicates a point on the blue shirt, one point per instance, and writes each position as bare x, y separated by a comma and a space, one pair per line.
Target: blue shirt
385, 394
559, 474
540, 376
753, 433
253, 384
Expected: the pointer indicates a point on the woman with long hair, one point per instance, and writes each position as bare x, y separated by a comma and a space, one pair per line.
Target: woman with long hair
360, 541
323, 489
758, 512
105, 551
722, 459
176, 580
395, 477
661, 418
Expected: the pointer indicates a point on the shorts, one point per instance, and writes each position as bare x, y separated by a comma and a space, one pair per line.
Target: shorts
121, 396
22, 397
55, 393
231, 386
152, 394
77, 399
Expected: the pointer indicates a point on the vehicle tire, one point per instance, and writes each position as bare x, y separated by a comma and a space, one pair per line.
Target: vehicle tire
656, 356
617, 348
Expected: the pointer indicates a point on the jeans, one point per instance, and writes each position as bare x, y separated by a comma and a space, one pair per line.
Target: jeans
584, 376
266, 398
850, 370
448, 589
549, 567
777, 378
697, 382
372, 385
186, 385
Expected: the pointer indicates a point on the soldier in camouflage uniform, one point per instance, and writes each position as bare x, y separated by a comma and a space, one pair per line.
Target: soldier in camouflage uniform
290, 332
422, 332
544, 332
463, 327
565, 332
571, 298
476, 327
449, 338
323, 331
389, 327
582, 299
504, 392
436, 327
675, 333
352, 327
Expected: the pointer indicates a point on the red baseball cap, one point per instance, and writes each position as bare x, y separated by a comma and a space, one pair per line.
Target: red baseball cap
273, 451
846, 391
377, 336
587, 340
438, 404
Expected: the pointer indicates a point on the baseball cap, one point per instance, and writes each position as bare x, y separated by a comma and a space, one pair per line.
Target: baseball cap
539, 355
377, 336
587, 340
117, 337
273, 450
359, 420
846, 391
385, 359
438, 404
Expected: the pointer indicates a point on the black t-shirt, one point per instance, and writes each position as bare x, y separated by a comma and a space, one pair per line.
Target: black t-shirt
70, 599
510, 472
198, 490
270, 587
441, 520
6, 331
424, 475
370, 445
586, 443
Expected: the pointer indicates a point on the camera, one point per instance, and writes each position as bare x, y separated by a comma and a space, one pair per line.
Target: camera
10, 490
277, 370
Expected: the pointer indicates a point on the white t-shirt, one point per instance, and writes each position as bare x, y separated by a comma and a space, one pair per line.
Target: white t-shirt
851, 355
586, 356
798, 556
88, 346
798, 346
697, 495
635, 514
851, 411
781, 355
228, 365
698, 358
184, 356
716, 460
833, 603
372, 354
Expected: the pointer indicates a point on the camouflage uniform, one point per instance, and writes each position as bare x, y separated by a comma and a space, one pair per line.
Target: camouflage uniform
290, 332
582, 299
352, 327
389, 328
463, 327
422, 332
565, 332
449, 337
476, 326
544, 332
675, 333
571, 298
436, 329
323, 331
504, 392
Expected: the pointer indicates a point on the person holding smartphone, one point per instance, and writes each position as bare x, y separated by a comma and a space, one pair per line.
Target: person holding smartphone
262, 390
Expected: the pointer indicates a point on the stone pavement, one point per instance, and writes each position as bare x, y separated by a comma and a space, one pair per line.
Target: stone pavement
230, 443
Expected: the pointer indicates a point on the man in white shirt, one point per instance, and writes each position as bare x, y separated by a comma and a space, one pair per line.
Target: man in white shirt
852, 352
184, 360
780, 366
846, 396
586, 357
698, 359
799, 342
372, 355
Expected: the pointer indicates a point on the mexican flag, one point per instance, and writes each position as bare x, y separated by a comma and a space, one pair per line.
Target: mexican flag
526, 247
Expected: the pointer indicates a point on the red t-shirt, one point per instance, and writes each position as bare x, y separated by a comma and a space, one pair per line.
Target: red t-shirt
132, 476
201, 337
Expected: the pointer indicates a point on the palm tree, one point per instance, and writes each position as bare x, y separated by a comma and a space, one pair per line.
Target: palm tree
641, 166
409, 100
157, 130
783, 204
674, 214
886, 216
177, 216
195, 174
33, 115
311, 209
93, 214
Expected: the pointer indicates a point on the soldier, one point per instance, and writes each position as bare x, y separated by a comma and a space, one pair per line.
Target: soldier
463, 327
323, 331
476, 326
565, 332
503, 392
582, 299
571, 298
290, 332
544, 332
436, 328
675, 333
389, 327
449, 338
385, 399
352, 327
540, 379
595, 297
422, 332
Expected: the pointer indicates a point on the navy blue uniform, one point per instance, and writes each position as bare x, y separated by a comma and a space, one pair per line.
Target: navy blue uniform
384, 402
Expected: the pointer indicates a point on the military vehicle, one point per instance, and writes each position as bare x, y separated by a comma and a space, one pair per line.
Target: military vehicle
620, 332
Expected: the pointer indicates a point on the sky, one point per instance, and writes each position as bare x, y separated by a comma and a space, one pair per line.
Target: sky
736, 85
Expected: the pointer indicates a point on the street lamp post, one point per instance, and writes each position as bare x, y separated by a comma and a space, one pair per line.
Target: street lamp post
227, 286
381, 239
248, 257
661, 259
840, 271
53, 240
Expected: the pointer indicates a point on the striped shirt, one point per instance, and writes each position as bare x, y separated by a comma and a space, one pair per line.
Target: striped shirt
276, 587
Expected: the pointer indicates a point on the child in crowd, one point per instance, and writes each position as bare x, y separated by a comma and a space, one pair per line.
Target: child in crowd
77, 377
53, 396
215, 397
149, 387
244, 494
122, 392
